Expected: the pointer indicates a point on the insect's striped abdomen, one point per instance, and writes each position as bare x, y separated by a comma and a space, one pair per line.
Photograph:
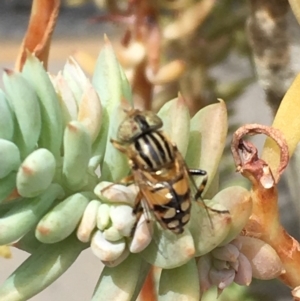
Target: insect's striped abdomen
171, 204
154, 151
175, 214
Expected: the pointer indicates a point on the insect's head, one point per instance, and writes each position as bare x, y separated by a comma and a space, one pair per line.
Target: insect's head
138, 123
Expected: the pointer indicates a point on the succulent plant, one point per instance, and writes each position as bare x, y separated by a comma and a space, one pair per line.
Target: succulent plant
60, 190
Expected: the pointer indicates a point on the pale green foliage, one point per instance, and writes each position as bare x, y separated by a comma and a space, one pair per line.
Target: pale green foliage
56, 141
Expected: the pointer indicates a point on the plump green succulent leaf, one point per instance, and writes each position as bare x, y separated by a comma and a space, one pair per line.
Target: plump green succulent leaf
67, 102
112, 87
106, 250
75, 78
143, 273
176, 119
207, 139
125, 86
107, 82
168, 250
107, 78
121, 282
234, 292
123, 219
61, 220
26, 213
88, 221
77, 152
36, 173
28, 242
99, 145
41, 269
103, 218
7, 185
24, 102
181, 283
90, 111
6, 206
9, 159
238, 201
117, 261
213, 187
52, 121
264, 260
112, 234
115, 165
208, 228
6, 118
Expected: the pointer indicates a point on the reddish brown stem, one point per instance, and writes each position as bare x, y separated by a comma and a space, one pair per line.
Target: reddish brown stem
142, 88
145, 30
148, 292
44, 14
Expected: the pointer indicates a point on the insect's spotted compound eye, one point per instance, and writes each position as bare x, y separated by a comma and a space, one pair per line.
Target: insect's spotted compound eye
138, 123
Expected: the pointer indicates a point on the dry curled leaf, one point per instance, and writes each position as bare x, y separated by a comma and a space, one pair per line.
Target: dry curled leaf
248, 162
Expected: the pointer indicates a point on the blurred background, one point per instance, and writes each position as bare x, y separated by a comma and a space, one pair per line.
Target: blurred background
218, 55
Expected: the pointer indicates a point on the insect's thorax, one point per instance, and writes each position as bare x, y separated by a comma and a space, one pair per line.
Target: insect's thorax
153, 152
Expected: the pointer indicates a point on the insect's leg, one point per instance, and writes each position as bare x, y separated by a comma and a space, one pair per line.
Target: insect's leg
123, 148
126, 181
200, 189
137, 211
197, 172
119, 146
137, 204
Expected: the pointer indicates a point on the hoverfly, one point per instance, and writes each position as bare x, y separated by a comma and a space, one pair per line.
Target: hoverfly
158, 169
